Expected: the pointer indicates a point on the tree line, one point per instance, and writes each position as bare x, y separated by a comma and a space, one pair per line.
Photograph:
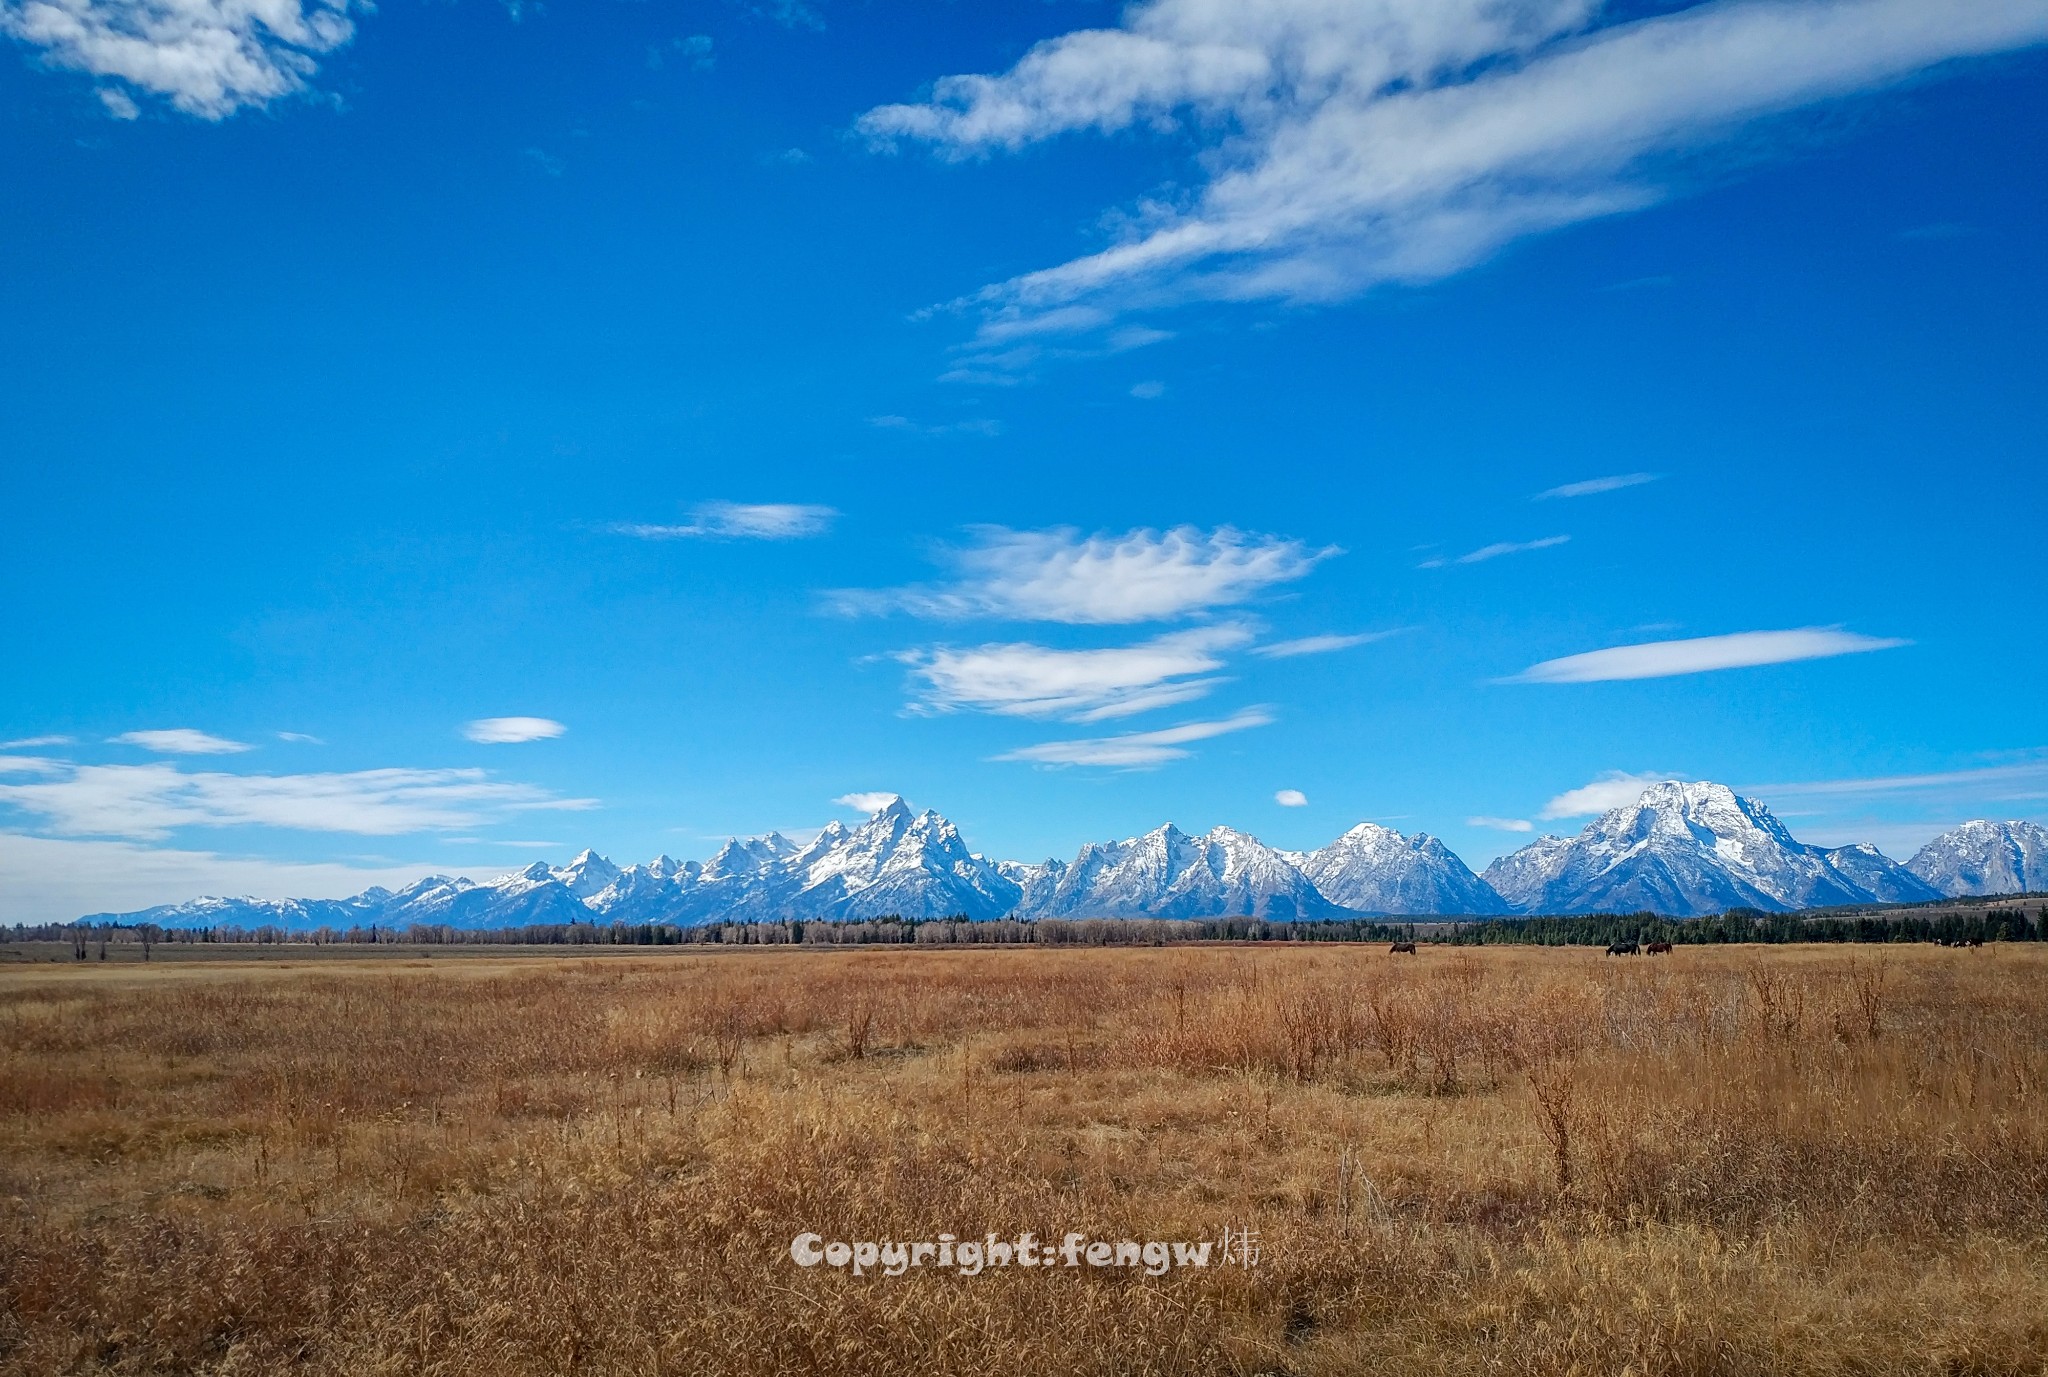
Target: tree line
1981, 924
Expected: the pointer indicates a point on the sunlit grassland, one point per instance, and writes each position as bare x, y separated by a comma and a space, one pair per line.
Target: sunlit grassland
1523, 1160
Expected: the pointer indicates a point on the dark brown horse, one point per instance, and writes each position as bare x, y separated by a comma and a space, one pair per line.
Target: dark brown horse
1624, 949
1658, 948
1401, 947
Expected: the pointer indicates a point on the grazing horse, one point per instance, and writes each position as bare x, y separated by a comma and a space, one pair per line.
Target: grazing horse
1624, 949
1400, 947
1658, 949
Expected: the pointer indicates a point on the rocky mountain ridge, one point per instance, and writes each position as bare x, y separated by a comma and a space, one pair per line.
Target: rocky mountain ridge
1683, 849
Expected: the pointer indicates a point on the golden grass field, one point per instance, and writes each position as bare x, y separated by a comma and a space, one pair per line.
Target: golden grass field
1506, 1160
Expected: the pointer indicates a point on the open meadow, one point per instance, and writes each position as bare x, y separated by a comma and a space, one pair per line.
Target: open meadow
1502, 1160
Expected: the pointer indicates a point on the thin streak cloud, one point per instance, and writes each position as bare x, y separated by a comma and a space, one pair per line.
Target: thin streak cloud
1496, 550
1318, 645
512, 731
1593, 486
180, 741
1137, 750
1699, 655
149, 802
739, 521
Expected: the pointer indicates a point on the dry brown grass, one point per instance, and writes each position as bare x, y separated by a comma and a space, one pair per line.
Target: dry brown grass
1502, 1161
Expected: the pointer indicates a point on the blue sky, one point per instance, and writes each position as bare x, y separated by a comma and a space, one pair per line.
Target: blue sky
1072, 418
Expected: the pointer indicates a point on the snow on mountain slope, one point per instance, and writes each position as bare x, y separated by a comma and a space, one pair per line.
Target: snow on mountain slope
1689, 849
587, 875
294, 914
1374, 869
1680, 849
1168, 874
913, 866
1985, 857
1035, 883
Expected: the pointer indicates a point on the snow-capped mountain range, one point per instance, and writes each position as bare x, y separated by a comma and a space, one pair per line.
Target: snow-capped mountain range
1682, 848
1691, 849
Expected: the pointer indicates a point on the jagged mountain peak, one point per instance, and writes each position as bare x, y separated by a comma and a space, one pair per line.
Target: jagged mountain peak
750, 855
1680, 847
1374, 869
588, 875
1692, 847
1985, 857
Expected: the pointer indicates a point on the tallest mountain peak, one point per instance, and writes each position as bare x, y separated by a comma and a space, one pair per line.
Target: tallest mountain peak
1692, 847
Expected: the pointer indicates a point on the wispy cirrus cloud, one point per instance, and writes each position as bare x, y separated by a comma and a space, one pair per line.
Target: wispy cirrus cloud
180, 741
1318, 645
209, 58
30, 742
739, 521
1024, 680
1700, 654
1138, 750
2023, 779
1496, 550
1357, 142
1592, 487
1061, 575
1501, 824
147, 802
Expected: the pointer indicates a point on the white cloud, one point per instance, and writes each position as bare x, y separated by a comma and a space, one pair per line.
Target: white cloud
300, 738
48, 880
1984, 781
1591, 486
1062, 576
1615, 789
1495, 551
1148, 391
1291, 798
31, 765
1317, 645
210, 58
1024, 680
1355, 142
149, 801
1502, 824
180, 741
740, 521
511, 731
1660, 659
870, 802
1137, 750
24, 743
